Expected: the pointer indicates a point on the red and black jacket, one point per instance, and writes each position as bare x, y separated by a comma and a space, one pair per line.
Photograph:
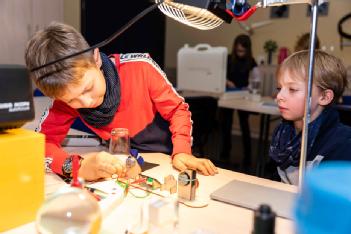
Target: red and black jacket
156, 116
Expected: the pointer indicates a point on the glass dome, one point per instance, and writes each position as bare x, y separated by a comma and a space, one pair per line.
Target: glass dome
69, 211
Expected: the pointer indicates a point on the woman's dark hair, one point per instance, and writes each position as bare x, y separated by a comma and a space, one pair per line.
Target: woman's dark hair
244, 41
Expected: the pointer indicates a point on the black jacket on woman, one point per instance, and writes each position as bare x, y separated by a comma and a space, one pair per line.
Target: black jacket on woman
238, 71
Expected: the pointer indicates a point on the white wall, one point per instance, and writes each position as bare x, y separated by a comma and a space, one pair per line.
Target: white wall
71, 10
284, 31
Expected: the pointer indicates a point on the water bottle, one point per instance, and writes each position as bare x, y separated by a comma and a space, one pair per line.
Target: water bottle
255, 84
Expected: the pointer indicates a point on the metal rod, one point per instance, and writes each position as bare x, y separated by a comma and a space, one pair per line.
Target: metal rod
269, 3
304, 141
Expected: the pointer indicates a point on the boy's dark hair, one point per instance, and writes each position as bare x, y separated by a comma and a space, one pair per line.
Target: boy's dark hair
329, 71
49, 44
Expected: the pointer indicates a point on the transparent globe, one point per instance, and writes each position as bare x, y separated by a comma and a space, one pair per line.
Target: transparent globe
69, 211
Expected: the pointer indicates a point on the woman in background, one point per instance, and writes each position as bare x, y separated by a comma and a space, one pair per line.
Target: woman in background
240, 63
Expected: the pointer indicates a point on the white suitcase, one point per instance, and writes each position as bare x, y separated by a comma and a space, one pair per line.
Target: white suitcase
202, 68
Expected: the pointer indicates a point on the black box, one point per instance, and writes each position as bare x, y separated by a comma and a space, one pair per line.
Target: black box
16, 97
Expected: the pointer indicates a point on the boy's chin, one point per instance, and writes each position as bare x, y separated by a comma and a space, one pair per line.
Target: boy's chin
287, 117
98, 103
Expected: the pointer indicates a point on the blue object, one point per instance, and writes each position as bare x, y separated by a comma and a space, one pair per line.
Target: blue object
227, 89
79, 125
324, 204
239, 7
346, 100
137, 156
37, 93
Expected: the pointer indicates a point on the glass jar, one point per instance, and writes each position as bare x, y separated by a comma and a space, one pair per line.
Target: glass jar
119, 142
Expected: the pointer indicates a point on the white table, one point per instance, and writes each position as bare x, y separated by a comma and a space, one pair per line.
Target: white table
245, 103
266, 108
217, 217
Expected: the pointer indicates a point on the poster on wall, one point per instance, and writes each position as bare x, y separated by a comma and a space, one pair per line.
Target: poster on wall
279, 12
322, 9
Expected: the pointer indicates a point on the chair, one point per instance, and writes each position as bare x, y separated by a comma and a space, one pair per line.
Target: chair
203, 113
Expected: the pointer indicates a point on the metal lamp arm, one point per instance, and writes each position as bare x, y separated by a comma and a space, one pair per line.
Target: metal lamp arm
269, 3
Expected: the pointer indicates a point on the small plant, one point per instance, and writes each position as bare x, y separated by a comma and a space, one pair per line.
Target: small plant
270, 47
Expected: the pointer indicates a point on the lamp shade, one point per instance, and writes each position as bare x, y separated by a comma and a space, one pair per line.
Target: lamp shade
203, 15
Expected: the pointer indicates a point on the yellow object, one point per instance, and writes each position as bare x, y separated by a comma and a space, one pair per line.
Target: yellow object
21, 176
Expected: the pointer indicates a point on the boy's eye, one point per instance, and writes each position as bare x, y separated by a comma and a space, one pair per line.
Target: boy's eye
278, 89
88, 89
85, 91
292, 90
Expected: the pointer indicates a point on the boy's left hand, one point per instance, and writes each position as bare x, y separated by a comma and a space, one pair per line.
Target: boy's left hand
184, 161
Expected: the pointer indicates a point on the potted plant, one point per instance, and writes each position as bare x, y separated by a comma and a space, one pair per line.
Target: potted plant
270, 47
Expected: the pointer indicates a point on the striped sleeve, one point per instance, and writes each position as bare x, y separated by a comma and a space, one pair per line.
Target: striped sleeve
55, 123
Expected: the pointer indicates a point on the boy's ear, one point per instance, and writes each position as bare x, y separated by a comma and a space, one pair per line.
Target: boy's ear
97, 57
326, 98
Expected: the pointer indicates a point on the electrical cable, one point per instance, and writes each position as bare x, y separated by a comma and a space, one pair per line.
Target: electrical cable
340, 29
241, 11
106, 41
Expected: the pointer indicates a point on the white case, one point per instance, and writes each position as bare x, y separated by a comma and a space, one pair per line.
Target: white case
202, 68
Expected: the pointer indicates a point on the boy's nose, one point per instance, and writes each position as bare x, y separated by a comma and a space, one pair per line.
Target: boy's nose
279, 97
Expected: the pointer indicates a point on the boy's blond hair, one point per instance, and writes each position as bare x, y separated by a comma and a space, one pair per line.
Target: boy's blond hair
329, 71
54, 42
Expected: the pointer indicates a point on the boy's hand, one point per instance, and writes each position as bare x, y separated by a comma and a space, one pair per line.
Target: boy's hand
184, 161
100, 165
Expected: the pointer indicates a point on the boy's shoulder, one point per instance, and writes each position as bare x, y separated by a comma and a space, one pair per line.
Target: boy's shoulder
134, 57
338, 133
139, 59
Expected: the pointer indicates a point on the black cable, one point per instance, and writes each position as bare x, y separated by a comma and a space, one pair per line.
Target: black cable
340, 30
106, 41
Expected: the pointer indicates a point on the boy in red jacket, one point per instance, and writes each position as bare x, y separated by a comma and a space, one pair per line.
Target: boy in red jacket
121, 91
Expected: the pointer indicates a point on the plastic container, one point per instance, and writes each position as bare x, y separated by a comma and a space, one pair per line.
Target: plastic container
202, 68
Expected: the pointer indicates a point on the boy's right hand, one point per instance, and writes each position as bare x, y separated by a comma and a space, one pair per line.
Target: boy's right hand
99, 165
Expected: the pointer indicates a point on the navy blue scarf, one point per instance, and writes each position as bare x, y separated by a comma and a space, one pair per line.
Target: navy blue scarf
286, 143
104, 114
